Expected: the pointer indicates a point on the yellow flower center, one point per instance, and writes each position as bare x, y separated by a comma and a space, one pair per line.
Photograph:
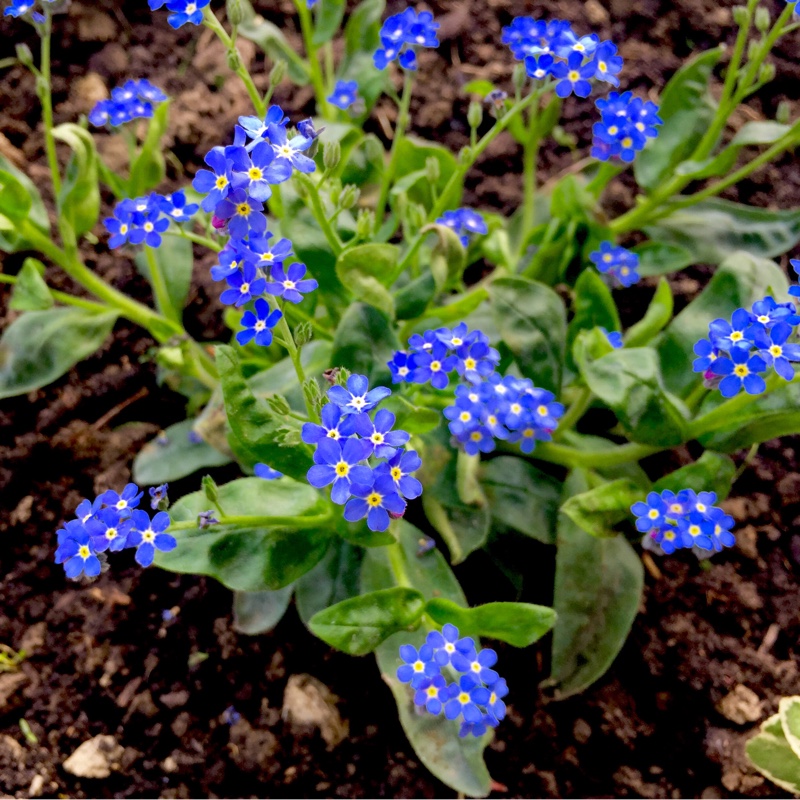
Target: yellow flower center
396, 473
529, 433
245, 288
255, 174
627, 141
111, 533
376, 438
342, 469
148, 226
741, 370
374, 500
419, 666
573, 76
542, 411
84, 552
432, 691
465, 416
652, 514
333, 433
737, 336
436, 366
222, 182
463, 698
243, 209
123, 228
776, 350
475, 436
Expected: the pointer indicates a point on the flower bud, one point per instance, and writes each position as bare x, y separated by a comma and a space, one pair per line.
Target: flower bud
277, 73
334, 190
783, 113
349, 196
762, 20
210, 489
766, 72
278, 404
312, 393
24, 55
433, 170
475, 115
235, 12
217, 222
331, 155
417, 216
519, 77
741, 14
303, 334
364, 223
288, 437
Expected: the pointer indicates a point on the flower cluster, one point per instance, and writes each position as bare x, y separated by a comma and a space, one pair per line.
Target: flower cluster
361, 457
511, 409
144, 219
626, 123
113, 522
183, 11
436, 353
401, 33
133, 100
19, 8
684, 520
552, 49
464, 221
614, 338
619, 264
738, 352
344, 95
477, 695
235, 189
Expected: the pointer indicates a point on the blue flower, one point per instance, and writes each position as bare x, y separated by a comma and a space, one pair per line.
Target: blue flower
626, 123
776, 352
539, 68
402, 367
607, 63
448, 643
405, 29
376, 500
619, 264
148, 536
266, 472
176, 208
216, 184
650, 514
706, 354
433, 693
614, 338
357, 397
464, 221
307, 130
466, 699
434, 366
121, 225
244, 214
159, 501
290, 285
108, 530
77, 555
697, 531
573, 76
245, 284
255, 171
335, 425
378, 434
259, 325
186, 11
724, 335
721, 536
345, 94
480, 664
132, 100
290, 151
337, 463
476, 361
740, 370
479, 728
495, 705
418, 665
268, 254
231, 260
124, 501
399, 467
150, 226
768, 312
256, 129
19, 8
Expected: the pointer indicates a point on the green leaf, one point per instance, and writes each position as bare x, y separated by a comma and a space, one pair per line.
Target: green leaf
660, 258
532, 323
254, 425
412, 153
260, 612
769, 416
772, 755
328, 19
448, 258
79, 200
789, 712
519, 624
657, 316
23, 188
460, 308
687, 109
598, 589
454, 761
249, 559
162, 463
629, 382
463, 522
521, 497
714, 229
599, 509
41, 346
480, 87
365, 270
175, 260
31, 292
334, 579
358, 625
271, 40
712, 472
414, 298
593, 307
740, 280
361, 34
147, 170
364, 343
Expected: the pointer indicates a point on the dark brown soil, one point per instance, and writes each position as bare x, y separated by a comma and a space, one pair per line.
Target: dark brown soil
102, 661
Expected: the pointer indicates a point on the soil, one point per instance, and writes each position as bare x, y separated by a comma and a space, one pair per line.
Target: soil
102, 660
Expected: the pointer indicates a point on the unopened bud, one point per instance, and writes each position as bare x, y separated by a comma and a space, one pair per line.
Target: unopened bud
519, 77
334, 190
349, 196
433, 169
303, 334
288, 437
24, 55
475, 115
277, 73
766, 72
762, 20
312, 393
741, 15
235, 12
331, 155
210, 489
234, 59
784, 112
417, 216
365, 222
465, 155
752, 48
278, 404
342, 376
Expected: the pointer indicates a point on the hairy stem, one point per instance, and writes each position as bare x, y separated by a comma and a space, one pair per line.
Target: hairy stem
314, 66
159, 285
46, 95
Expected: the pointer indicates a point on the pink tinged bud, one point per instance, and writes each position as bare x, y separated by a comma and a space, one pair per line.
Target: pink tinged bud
217, 223
394, 515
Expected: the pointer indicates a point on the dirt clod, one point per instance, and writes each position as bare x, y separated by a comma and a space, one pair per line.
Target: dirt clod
95, 758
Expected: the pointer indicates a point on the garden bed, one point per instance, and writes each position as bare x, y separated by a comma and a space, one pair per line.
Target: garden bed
101, 658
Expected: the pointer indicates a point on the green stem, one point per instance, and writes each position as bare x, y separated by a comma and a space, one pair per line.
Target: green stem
160, 290
318, 210
296, 357
530, 155
572, 457
47, 107
399, 132
298, 523
748, 459
575, 411
62, 297
397, 562
314, 67
235, 60
203, 241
